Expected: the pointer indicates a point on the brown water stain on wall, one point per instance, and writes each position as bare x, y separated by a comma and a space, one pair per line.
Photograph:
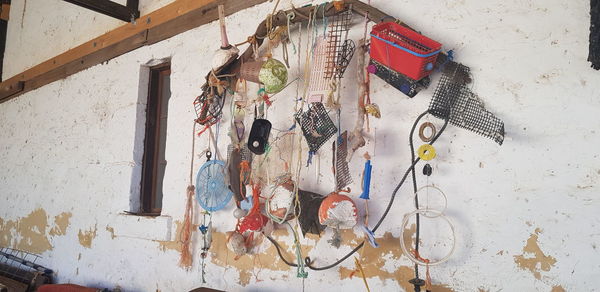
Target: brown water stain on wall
86, 237
61, 222
533, 258
558, 288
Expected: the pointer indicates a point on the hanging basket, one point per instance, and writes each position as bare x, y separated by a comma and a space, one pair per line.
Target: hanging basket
271, 73
250, 71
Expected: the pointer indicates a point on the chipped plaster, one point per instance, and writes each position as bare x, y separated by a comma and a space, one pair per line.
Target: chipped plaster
69, 146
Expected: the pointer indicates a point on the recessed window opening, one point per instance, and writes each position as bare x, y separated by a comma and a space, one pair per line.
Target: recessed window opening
155, 138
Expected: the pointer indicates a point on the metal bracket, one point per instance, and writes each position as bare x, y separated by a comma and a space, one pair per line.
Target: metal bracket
127, 13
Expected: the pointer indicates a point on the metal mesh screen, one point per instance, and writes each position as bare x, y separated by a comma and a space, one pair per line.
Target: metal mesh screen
454, 101
316, 125
342, 173
594, 55
339, 48
244, 151
21, 266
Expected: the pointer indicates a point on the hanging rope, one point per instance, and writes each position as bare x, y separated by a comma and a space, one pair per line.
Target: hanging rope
185, 261
301, 273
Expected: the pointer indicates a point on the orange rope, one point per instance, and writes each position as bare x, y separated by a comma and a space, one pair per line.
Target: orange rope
427, 275
185, 261
244, 174
255, 200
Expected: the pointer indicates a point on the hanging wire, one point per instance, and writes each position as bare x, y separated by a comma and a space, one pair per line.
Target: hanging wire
308, 262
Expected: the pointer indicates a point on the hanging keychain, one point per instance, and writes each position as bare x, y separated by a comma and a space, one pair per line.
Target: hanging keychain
206, 231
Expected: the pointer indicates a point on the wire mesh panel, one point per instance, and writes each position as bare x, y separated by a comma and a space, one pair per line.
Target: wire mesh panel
22, 266
454, 101
339, 48
244, 152
316, 125
342, 173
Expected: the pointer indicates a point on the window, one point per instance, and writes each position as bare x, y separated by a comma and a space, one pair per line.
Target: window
155, 138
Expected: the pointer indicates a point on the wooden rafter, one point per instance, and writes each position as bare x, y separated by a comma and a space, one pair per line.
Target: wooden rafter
161, 24
165, 22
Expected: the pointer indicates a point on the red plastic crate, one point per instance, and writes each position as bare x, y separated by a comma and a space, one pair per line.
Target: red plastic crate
403, 50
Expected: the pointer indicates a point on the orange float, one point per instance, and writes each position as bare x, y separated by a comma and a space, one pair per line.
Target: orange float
338, 211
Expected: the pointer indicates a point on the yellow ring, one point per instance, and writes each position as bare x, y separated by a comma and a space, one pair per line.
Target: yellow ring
426, 152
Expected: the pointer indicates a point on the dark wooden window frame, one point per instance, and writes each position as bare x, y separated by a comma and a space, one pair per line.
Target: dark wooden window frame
152, 142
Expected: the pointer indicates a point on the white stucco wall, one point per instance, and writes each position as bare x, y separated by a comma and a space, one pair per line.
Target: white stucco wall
40, 30
525, 212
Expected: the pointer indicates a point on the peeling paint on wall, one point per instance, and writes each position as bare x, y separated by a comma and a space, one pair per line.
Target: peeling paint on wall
86, 237
250, 266
29, 233
111, 231
61, 222
373, 261
174, 244
51, 143
558, 288
533, 258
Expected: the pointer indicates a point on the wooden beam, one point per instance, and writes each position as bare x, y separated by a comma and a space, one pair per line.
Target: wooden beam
172, 19
110, 8
8, 89
301, 15
197, 18
5, 11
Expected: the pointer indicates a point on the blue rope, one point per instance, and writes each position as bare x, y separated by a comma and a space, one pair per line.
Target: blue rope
310, 157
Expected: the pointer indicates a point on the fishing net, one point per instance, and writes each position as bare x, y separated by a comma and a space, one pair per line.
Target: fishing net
594, 55
454, 101
342, 173
316, 125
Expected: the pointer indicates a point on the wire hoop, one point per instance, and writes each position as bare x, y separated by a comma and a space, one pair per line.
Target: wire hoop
410, 255
432, 212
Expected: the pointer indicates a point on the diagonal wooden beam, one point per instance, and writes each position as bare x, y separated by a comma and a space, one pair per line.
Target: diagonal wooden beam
172, 19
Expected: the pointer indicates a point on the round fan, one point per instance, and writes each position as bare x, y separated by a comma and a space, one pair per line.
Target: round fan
211, 191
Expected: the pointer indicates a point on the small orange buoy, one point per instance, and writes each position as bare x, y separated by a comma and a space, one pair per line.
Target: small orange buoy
338, 211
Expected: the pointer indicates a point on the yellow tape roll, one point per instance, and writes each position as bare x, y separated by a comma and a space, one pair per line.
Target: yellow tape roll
426, 152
